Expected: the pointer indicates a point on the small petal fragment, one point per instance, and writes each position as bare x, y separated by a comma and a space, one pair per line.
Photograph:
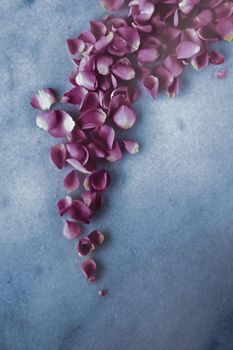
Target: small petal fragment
71, 230
88, 268
221, 74
124, 117
57, 123
216, 58
58, 155
102, 293
71, 181
44, 99
131, 146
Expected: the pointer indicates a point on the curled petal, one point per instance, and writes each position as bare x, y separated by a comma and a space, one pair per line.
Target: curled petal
131, 146
97, 181
151, 84
187, 49
98, 28
71, 181
78, 151
94, 200
85, 246
57, 123
63, 205
44, 99
221, 74
123, 69
96, 237
102, 293
88, 268
58, 155
115, 153
92, 118
71, 230
85, 169
79, 211
216, 58
112, 5
124, 117
87, 80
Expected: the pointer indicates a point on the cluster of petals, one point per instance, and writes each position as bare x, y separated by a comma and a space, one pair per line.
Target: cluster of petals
151, 47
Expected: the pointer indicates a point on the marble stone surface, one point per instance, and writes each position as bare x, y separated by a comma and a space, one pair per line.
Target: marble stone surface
167, 262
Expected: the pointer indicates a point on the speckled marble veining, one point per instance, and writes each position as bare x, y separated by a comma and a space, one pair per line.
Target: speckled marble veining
167, 262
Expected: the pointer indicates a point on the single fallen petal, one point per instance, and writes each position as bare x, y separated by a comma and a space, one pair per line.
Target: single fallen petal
85, 246
200, 61
112, 5
88, 268
124, 117
131, 146
103, 64
71, 230
44, 99
221, 74
75, 46
99, 180
96, 238
57, 123
58, 155
71, 181
98, 28
63, 205
151, 84
216, 58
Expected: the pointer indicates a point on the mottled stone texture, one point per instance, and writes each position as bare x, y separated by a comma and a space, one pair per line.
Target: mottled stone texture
167, 261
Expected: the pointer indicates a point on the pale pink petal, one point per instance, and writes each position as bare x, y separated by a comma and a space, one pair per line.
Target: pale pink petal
71, 230
124, 117
148, 54
187, 49
44, 99
88, 268
63, 205
131, 146
87, 80
58, 155
151, 84
103, 64
71, 181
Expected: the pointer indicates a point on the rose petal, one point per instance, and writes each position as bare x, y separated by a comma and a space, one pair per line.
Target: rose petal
216, 58
63, 205
92, 118
173, 89
103, 64
131, 146
58, 155
115, 153
89, 102
71, 230
71, 181
200, 61
124, 117
75, 46
57, 123
148, 55
44, 99
74, 96
88, 268
187, 49
85, 246
79, 211
151, 84
87, 80
96, 238
123, 69
112, 5
99, 180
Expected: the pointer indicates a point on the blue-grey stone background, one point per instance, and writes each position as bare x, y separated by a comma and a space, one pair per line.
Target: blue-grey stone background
167, 261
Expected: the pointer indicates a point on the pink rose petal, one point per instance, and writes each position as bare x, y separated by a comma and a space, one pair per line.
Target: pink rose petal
221, 74
58, 155
124, 117
187, 49
123, 69
151, 84
88, 268
131, 146
71, 181
99, 180
63, 205
71, 230
44, 99
96, 238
